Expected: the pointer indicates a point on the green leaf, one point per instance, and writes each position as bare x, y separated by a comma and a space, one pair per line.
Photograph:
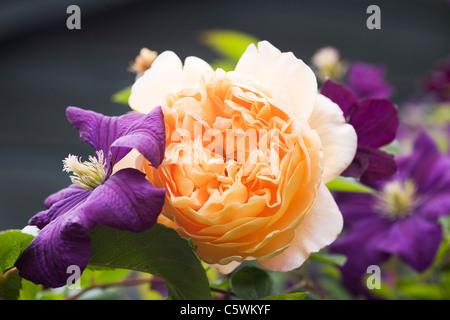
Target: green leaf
10, 287
227, 43
159, 250
251, 283
336, 259
224, 64
29, 290
288, 296
348, 185
122, 96
12, 244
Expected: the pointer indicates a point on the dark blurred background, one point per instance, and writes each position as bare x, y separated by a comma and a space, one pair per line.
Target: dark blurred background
45, 67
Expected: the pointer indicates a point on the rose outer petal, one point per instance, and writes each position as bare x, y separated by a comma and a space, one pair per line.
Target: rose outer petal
319, 228
126, 201
338, 138
282, 70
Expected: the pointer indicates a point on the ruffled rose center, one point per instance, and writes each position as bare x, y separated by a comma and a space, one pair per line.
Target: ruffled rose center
235, 163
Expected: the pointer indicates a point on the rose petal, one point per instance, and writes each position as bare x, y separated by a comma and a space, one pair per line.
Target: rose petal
319, 228
167, 74
62, 243
126, 201
338, 138
340, 95
281, 70
375, 121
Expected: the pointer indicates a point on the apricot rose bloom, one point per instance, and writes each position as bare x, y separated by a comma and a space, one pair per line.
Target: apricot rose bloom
248, 153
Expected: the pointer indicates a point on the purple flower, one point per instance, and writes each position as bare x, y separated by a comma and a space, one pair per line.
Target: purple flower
124, 200
375, 122
400, 219
367, 81
438, 82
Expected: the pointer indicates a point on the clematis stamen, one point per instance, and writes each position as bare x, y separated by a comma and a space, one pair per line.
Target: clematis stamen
397, 199
88, 174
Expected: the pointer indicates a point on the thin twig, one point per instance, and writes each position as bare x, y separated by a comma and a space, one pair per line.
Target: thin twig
225, 292
127, 282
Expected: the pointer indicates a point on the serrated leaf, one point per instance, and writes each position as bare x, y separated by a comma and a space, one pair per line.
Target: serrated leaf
251, 283
227, 43
160, 251
347, 184
288, 296
12, 244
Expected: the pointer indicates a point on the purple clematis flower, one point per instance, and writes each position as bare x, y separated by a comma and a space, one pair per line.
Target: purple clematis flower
125, 200
375, 122
400, 219
367, 81
437, 83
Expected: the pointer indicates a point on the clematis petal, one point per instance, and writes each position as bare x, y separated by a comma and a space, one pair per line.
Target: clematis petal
360, 245
62, 243
62, 194
340, 95
355, 206
376, 122
370, 165
339, 139
120, 135
126, 201
167, 74
146, 135
60, 207
98, 130
281, 70
426, 166
410, 233
367, 81
319, 228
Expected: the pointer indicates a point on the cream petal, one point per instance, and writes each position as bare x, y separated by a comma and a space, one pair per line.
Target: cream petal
319, 228
339, 139
133, 160
293, 82
167, 74
226, 268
